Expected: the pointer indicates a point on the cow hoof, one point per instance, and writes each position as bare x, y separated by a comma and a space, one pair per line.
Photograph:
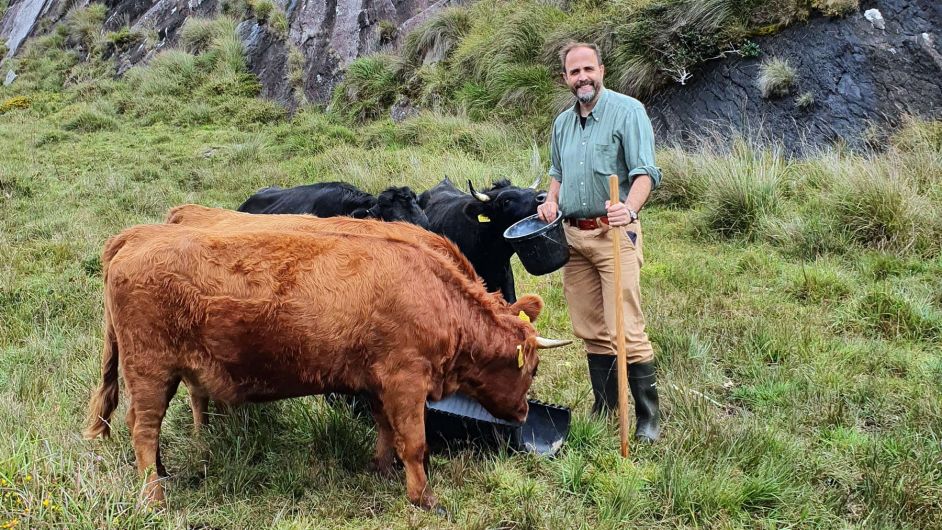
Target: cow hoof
153, 495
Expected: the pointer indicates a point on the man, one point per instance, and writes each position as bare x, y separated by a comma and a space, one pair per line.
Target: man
604, 133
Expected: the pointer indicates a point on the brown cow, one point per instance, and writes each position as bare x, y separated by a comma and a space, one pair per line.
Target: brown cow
198, 216
263, 315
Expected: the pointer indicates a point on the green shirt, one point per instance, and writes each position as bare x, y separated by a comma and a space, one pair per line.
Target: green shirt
617, 139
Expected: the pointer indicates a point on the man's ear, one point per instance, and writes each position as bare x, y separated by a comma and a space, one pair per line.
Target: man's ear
530, 304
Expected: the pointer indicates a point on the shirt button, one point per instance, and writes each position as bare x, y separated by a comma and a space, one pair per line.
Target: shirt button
580, 163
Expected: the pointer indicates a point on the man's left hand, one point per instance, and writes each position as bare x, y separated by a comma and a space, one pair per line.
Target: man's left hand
617, 214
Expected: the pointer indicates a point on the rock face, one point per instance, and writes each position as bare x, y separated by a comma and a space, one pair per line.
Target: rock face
858, 76
329, 34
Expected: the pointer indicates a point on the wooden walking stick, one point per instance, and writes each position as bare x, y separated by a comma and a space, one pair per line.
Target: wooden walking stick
622, 363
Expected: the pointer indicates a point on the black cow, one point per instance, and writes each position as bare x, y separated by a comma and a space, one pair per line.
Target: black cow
476, 223
332, 199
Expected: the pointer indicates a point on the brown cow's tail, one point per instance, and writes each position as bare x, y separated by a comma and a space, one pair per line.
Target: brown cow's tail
105, 399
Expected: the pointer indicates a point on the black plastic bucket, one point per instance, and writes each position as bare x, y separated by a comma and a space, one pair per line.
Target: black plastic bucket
458, 420
542, 247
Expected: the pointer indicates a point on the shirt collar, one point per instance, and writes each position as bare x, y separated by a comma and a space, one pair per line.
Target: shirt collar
597, 110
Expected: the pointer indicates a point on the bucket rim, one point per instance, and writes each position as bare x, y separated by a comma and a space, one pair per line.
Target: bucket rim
536, 233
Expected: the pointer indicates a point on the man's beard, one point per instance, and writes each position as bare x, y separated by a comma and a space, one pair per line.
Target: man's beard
587, 97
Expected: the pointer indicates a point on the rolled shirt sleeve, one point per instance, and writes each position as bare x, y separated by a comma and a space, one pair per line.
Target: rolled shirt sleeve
555, 169
639, 147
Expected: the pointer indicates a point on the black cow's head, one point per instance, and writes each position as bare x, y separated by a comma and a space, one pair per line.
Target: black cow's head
504, 204
396, 204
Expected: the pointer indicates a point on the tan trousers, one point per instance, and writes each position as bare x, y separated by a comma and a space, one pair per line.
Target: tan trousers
589, 284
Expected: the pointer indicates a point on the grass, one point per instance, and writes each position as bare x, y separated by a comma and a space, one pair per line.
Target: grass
489, 56
794, 306
776, 78
836, 8
804, 101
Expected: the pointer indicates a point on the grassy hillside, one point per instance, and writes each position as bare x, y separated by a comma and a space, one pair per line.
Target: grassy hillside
498, 60
795, 308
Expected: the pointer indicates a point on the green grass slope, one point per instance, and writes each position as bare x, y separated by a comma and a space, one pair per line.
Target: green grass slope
795, 307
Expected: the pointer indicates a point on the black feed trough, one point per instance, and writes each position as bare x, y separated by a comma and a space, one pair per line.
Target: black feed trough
459, 420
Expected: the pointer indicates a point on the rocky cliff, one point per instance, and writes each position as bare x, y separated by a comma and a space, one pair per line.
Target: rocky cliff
328, 34
858, 78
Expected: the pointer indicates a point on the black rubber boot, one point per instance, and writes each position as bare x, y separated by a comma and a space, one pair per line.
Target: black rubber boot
642, 381
604, 382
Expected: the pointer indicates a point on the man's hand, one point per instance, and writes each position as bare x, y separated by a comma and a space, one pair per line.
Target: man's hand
548, 211
617, 214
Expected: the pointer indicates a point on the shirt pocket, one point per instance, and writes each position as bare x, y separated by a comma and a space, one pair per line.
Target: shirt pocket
605, 159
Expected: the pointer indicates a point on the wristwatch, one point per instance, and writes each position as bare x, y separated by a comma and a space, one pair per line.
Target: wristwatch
632, 215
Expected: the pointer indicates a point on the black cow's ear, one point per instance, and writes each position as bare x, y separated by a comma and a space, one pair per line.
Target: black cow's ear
360, 213
473, 209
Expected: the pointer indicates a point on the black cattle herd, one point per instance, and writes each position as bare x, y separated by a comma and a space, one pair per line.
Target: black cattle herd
474, 220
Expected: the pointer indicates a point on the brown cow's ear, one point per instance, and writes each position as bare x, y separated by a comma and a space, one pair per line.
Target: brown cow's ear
530, 304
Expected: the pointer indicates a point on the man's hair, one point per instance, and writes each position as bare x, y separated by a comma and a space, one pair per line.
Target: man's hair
573, 45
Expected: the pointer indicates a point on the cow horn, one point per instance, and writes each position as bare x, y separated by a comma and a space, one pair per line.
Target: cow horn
536, 182
479, 196
543, 343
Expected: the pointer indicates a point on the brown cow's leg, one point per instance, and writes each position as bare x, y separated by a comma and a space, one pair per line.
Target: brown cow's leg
150, 400
407, 416
385, 450
129, 418
199, 403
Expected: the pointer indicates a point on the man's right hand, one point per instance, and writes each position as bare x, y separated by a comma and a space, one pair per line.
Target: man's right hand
548, 211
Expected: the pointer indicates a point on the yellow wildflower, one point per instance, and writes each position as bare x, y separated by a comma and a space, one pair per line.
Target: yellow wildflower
46, 503
29, 477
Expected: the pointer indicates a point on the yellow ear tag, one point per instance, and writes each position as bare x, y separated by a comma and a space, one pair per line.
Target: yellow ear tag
524, 317
519, 356
483, 218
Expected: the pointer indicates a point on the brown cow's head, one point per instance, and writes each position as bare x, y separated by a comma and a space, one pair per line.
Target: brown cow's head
500, 379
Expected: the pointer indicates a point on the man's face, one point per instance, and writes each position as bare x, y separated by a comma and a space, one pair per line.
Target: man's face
583, 74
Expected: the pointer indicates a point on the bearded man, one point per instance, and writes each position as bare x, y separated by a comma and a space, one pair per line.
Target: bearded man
604, 133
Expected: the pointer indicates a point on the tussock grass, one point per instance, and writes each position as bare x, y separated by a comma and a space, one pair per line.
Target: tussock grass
834, 203
197, 33
369, 87
836, 8
745, 191
776, 78
85, 118
436, 39
805, 101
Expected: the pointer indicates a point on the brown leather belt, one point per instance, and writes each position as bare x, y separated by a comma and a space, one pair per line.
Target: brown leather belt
588, 224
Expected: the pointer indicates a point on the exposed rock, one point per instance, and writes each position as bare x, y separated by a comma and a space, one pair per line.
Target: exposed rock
859, 76
19, 20
875, 18
402, 110
11, 76
329, 33
267, 56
